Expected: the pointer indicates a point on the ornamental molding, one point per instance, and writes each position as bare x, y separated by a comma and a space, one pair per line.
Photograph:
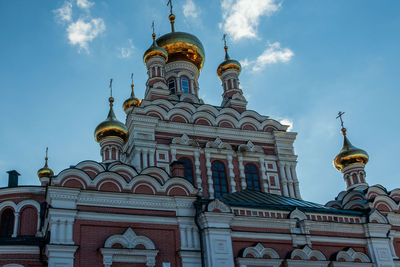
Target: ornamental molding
307, 254
129, 240
350, 255
258, 251
218, 206
250, 147
219, 144
185, 140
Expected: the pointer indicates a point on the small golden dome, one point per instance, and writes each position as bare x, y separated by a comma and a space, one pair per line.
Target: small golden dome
228, 64
132, 101
155, 51
183, 46
111, 127
349, 154
45, 171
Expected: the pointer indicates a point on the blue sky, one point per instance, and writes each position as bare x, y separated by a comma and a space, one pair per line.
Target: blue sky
303, 62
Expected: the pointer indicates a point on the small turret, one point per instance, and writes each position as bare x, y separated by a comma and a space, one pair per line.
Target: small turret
351, 161
132, 101
228, 71
45, 173
111, 134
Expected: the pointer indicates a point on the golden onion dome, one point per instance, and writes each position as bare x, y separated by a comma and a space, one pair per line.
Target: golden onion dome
155, 51
228, 64
183, 46
132, 101
45, 171
349, 154
111, 127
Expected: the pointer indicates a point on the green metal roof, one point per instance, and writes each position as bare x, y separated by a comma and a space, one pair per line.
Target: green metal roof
261, 200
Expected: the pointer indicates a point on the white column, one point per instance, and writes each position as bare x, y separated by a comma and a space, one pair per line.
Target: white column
173, 155
242, 175
183, 237
38, 223
197, 169
136, 159
144, 158
189, 237
69, 231
263, 176
290, 180
16, 222
60, 231
53, 231
295, 180
231, 174
151, 157
283, 179
209, 176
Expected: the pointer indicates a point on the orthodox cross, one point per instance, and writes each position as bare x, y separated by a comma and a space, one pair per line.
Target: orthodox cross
111, 80
152, 26
47, 150
339, 116
170, 5
224, 39
132, 78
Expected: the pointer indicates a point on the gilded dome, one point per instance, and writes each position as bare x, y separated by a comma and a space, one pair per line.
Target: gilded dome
183, 46
132, 101
111, 127
349, 155
45, 171
228, 64
155, 51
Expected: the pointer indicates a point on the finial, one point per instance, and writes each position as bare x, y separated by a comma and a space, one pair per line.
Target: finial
339, 116
225, 46
46, 158
111, 99
154, 34
132, 85
171, 15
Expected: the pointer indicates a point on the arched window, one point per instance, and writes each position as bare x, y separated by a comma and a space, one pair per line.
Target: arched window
251, 172
184, 85
7, 223
219, 178
188, 169
171, 85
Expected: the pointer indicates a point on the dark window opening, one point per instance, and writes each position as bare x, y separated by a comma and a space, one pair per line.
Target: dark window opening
252, 179
188, 174
171, 86
7, 223
219, 178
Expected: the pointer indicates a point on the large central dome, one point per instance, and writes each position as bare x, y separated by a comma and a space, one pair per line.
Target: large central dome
183, 46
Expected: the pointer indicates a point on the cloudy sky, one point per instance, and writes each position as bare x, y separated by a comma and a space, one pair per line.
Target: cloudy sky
303, 61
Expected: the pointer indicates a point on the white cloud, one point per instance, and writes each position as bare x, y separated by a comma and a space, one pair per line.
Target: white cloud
84, 4
241, 17
126, 52
273, 54
190, 10
287, 121
64, 13
82, 32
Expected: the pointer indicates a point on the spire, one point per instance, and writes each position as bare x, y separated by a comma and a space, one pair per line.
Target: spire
111, 115
351, 160
171, 16
132, 101
45, 171
225, 47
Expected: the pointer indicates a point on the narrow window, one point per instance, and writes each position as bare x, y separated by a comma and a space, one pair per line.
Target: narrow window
219, 178
153, 72
185, 85
188, 169
252, 178
171, 86
7, 223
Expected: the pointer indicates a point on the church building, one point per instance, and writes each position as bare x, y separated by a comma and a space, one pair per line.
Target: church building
182, 183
